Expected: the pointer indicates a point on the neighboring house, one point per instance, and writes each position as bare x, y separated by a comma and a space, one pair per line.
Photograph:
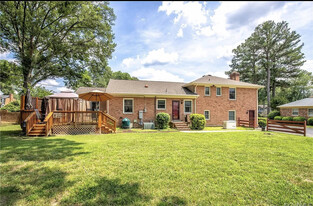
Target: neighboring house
303, 108
6, 99
219, 99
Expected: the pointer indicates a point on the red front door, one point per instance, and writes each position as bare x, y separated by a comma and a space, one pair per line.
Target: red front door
175, 110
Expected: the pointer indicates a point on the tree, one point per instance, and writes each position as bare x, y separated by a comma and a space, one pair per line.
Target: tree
271, 54
57, 39
10, 77
40, 91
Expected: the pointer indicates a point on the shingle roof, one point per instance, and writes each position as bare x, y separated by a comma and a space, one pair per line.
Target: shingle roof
307, 102
147, 87
63, 95
82, 90
209, 79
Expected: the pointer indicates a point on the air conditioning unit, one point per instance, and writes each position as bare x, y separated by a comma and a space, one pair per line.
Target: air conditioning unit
230, 124
148, 125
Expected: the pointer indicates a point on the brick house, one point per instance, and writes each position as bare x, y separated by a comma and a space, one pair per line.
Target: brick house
6, 99
219, 99
302, 108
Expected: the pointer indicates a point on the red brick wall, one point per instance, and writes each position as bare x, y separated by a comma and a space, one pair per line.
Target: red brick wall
246, 99
303, 112
116, 108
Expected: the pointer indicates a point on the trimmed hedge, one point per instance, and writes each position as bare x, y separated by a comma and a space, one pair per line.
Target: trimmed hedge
162, 120
278, 118
300, 119
273, 114
197, 121
262, 123
310, 121
287, 118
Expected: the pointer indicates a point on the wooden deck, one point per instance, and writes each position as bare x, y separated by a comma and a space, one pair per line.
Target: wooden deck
68, 122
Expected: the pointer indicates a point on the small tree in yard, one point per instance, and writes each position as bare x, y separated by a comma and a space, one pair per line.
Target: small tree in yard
162, 120
197, 121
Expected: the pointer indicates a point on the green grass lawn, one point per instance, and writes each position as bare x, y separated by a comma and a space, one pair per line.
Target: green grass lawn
174, 168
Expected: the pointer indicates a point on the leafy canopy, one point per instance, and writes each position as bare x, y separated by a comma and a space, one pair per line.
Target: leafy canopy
57, 39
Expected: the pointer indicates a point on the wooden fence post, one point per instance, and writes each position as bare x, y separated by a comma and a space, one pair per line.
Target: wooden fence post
238, 121
267, 124
304, 127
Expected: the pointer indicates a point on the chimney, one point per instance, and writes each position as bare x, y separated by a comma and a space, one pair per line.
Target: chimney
234, 76
11, 97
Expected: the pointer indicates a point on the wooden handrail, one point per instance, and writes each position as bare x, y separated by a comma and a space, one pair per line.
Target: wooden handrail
30, 121
49, 122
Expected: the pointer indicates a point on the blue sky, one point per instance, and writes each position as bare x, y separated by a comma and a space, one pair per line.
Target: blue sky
181, 41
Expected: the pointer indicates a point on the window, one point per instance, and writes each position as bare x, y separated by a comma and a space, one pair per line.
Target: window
231, 115
188, 104
232, 93
128, 106
310, 112
207, 91
161, 104
295, 112
218, 91
207, 114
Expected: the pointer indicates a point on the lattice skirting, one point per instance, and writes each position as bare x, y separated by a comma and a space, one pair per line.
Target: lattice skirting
71, 129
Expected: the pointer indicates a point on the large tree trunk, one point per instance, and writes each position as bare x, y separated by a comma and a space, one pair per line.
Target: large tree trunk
268, 90
28, 99
273, 89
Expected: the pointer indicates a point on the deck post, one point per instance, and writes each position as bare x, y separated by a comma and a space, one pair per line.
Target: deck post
99, 121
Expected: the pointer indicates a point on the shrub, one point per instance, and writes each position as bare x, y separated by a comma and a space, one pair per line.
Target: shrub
287, 118
12, 106
273, 114
197, 121
162, 120
278, 118
262, 118
262, 123
310, 121
300, 119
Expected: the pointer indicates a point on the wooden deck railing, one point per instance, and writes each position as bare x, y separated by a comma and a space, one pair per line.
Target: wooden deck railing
49, 122
30, 121
286, 126
108, 121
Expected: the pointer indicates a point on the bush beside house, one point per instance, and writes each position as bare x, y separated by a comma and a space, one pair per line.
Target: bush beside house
273, 114
310, 121
162, 120
287, 118
197, 121
278, 118
300, 119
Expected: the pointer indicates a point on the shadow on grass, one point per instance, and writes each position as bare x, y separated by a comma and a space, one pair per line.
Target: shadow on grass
107, 192
35, 149
171, 201
31, 184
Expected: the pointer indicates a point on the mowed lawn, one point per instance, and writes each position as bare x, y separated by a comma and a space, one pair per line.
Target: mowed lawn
175, 168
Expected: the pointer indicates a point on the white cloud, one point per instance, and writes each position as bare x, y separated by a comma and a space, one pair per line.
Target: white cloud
156, 75
60, 89
160, 57
308, 65
190, 12
180, 31
48, 82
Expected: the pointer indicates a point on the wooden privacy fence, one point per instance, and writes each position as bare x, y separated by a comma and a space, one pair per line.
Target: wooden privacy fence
246, 123
286, 126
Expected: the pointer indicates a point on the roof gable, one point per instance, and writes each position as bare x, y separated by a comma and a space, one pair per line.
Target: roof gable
307, 102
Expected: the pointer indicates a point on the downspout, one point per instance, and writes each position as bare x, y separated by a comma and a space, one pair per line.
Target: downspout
196, 99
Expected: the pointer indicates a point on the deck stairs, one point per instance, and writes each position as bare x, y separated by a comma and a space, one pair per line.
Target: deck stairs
38, 130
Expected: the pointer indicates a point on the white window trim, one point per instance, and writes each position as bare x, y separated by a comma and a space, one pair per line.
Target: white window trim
209, 114
185, 107
309, 113
234, 113
157, 105
124, 106
235, 93
209, 92
292, 112
220, 90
